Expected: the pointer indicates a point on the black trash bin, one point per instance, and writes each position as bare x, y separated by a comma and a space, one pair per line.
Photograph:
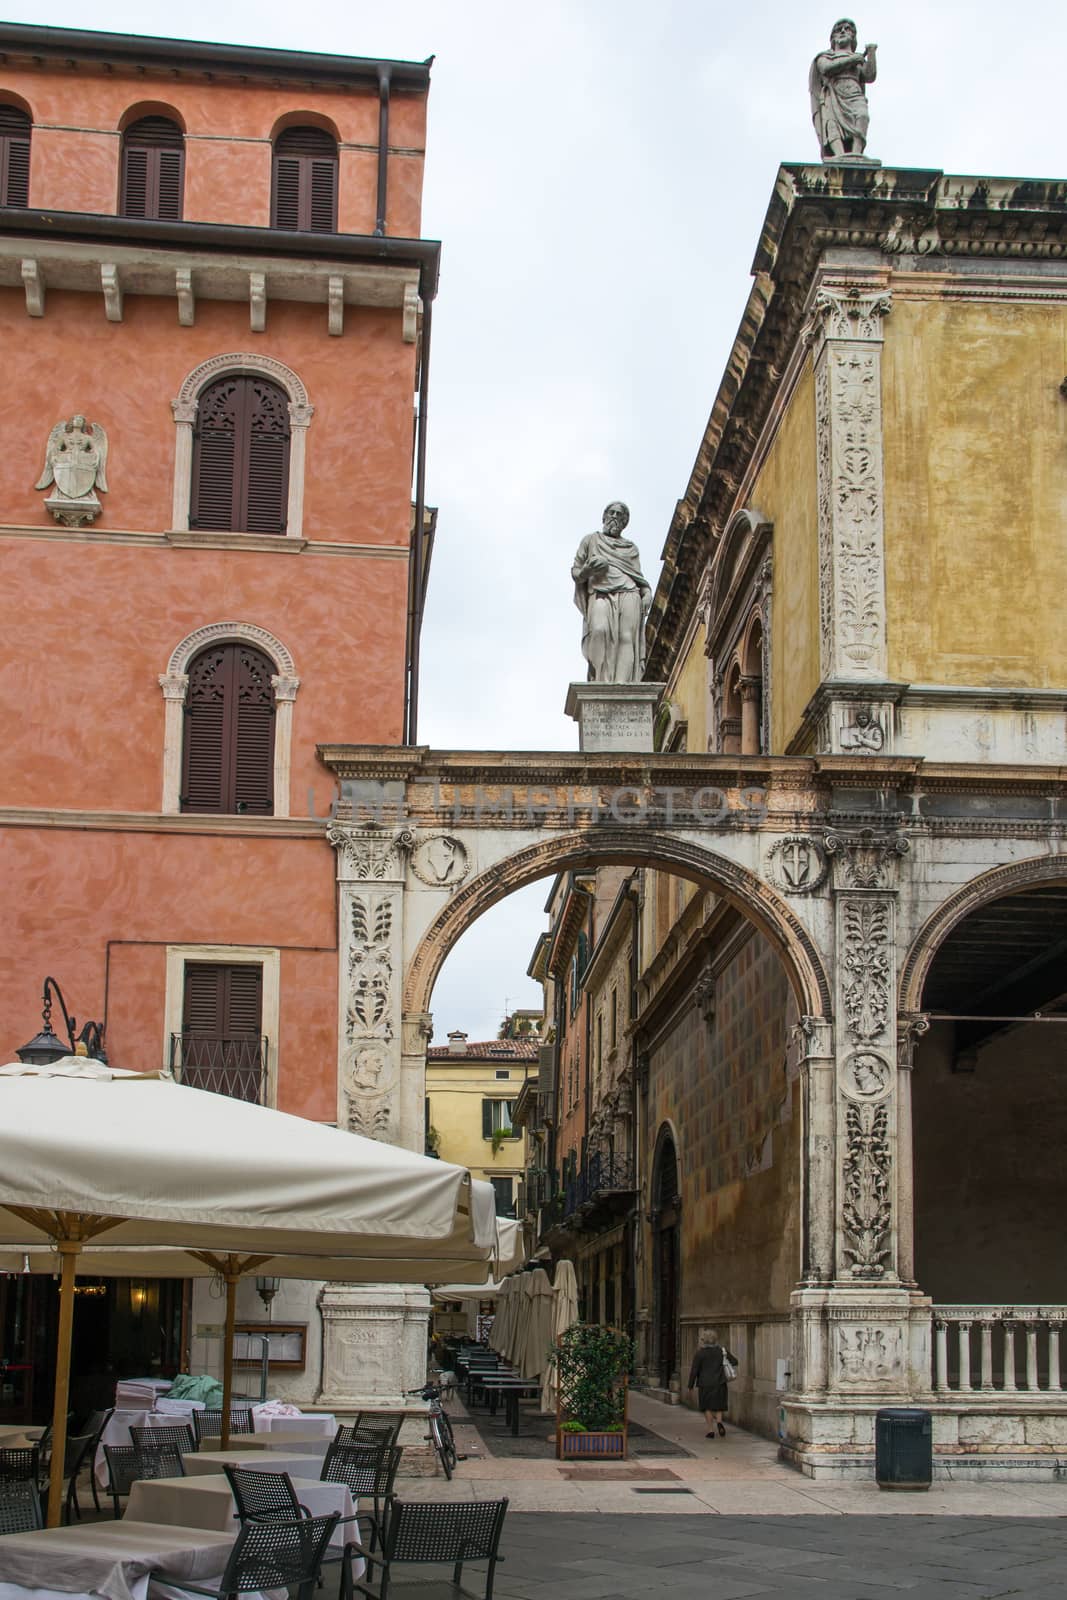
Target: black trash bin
903, 1448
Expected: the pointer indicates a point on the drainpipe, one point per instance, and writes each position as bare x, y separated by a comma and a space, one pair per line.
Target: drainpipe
427, 290
383, 149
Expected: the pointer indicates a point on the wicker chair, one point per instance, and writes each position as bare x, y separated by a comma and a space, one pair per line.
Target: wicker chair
264, 1496
370, 1473
428, 1531
210, 1422
271, 1555
20, 1506
179, 1437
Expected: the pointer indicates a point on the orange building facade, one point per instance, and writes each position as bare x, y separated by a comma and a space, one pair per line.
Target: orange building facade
216, 311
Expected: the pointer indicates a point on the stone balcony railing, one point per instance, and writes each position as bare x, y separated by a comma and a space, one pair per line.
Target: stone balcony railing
998, 1350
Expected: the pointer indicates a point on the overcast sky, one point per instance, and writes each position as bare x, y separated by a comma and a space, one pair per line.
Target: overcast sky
598, 172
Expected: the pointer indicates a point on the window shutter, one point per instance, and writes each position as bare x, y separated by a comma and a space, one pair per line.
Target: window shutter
487, 1119
304, 181
228, 753
153, 162
253, 746
15, 128
202, 1012
267, 473
241, 457
244, 1001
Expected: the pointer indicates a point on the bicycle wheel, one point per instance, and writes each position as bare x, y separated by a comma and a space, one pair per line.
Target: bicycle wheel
449, 1439
444, 1455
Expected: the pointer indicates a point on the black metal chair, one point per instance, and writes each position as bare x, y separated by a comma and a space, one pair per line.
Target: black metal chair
210, 1422
370, 1427
80, 1448
20, 1506
369, 1470
264, 1496
21, 1465
122, 1472
95, 1424
428, 1531
159, 1460
271, 1555
178, 1437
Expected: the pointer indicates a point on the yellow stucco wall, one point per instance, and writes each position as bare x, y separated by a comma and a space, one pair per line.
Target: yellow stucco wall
786, 492
975, 446
688, 692
455, 1092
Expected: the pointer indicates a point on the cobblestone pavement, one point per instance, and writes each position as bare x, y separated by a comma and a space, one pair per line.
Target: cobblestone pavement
600, 1557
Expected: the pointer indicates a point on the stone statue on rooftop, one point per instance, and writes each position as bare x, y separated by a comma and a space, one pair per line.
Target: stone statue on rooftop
837, 82
613, 595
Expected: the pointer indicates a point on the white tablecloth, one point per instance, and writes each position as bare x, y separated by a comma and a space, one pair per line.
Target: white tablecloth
323, 1422
108, 1558
298, 1466
308, 1444
118, 1432
207, 1502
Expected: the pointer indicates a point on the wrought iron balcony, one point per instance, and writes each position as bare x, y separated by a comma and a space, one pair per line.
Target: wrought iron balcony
605, 1182
234, 1067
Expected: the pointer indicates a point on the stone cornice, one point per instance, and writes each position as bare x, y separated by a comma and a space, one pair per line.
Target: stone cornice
161, 822
269, 543
904, 215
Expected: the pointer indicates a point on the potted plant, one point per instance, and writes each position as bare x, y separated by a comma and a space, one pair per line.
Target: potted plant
499, 1135
592, 1367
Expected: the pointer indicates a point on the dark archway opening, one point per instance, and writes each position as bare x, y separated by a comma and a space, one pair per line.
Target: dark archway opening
989, 1096
666, 1236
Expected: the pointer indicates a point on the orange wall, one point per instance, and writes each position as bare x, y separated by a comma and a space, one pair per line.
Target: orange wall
67, 893
78, 115
81, 705
125, 375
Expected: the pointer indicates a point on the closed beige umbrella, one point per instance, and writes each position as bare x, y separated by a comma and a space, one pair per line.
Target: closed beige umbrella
537, 1334
564, 1316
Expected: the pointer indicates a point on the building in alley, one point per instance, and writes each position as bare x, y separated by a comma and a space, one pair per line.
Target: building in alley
471, 1090
215, 302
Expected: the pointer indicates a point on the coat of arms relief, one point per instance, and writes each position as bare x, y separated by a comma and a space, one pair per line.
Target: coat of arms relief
75, 466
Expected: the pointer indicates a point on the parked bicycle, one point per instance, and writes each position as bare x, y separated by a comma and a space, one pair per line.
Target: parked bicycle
440, 1434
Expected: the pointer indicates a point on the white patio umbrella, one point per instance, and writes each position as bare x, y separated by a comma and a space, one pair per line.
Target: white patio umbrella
564, 1316
235, 1185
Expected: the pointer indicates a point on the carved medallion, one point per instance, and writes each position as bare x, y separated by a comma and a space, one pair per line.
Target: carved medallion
866, 1075
440, 861
796, 864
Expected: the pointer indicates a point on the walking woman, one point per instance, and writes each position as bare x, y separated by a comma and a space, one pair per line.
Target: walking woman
708, 1378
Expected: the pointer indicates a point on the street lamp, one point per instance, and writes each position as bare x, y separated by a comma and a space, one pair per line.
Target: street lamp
267, 1288
45, 1047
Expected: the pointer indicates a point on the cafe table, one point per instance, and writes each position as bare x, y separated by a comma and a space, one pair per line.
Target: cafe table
207, 1502
303, 1442
198, 1462
108, 1560
512, 1389
306, 1425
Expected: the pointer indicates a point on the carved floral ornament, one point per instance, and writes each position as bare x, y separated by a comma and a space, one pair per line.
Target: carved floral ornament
865, 859
365, 854
867, 1208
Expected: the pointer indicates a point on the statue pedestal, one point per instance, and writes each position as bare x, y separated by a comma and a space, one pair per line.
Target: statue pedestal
374, 1344
614, 716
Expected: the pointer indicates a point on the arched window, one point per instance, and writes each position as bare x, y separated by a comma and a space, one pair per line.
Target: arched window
241, 456
153, 170
14, 156
228, 749
304, 181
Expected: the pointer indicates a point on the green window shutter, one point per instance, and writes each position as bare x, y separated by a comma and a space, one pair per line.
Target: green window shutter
487, 1119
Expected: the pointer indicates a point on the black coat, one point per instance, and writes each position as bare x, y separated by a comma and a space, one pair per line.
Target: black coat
707, 1377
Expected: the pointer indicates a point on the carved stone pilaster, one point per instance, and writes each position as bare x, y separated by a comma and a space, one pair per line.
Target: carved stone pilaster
814, 1046
370, 873
845, 332
865, 865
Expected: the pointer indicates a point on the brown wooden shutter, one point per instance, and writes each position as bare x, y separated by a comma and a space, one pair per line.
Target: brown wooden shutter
153, 166
222, 1022
304, 181
15, 129
228, 750
241, 457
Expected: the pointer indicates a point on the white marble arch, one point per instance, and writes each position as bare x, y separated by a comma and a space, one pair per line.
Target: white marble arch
185, 406
175, 686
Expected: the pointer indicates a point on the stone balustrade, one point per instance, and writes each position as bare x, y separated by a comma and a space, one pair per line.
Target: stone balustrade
1002, 1349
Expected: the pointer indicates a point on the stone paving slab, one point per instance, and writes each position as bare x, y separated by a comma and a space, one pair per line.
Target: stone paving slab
605, 1557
